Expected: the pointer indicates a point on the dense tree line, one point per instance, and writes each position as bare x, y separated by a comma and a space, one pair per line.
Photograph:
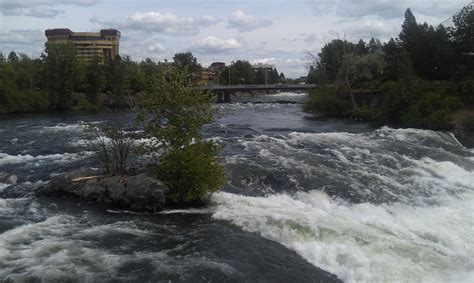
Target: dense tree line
58, 81
423, 75
240, 72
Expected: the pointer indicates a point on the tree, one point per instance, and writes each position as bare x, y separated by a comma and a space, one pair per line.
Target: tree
361, 48
12, 57
117, 82
409, 33
95, 81
172, 115
462, 33
60, 61
356, 69
188, 61
241, 72
331, 57
281, 78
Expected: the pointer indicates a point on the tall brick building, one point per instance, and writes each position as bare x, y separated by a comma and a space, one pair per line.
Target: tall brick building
103, 45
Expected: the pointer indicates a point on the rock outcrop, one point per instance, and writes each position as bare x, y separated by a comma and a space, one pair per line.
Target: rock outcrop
138, 192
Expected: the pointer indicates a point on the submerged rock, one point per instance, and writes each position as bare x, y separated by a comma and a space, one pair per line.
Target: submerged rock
138, 192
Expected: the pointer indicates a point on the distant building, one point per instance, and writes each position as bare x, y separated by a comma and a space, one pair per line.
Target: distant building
208, 77
217, 67
103, 45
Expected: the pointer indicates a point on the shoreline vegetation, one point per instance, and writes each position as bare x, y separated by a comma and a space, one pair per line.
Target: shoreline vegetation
422, 79
59, 81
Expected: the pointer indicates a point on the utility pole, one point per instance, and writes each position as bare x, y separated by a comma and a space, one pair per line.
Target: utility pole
266, 76
229, 75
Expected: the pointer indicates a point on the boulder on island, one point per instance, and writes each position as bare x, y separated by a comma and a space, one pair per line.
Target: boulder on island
140, 192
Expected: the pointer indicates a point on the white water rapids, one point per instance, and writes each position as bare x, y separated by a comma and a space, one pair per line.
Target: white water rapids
427, 237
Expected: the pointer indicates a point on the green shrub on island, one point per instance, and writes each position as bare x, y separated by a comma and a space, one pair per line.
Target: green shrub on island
172, 115
192, 172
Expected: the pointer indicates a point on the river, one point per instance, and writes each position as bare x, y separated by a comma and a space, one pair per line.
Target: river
307, 200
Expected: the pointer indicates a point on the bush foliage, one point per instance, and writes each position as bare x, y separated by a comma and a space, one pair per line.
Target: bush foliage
192, 172
172, 115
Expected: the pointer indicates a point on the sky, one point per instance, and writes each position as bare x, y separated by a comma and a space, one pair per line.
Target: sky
279, 32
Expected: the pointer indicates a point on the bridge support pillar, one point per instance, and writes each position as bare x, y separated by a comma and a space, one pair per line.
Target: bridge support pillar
220, 97
227, 97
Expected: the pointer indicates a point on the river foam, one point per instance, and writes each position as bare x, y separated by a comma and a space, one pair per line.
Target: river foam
408, 217
363, 242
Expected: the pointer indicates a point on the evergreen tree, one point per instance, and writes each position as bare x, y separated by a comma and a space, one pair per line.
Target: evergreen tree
12, 57
409, 33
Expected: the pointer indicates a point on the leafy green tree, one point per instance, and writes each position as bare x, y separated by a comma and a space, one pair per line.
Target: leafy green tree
95, 81
173, 114
331, 58
188, 61
117, 81
356, 69
241, 72
60, 61
462, 33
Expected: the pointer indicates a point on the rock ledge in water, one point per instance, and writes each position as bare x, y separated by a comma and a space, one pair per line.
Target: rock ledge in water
139, 192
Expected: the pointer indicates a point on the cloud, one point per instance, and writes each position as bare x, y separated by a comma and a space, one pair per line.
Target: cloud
310, 39
156, 47
164, 23
39, 8
368, 28
387, 9
242, 22
213, 45
44, 13
30, 42
21, 37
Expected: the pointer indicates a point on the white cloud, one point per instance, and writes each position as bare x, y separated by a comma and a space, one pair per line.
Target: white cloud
214, 45
386, 9
310, 39
21, 37
39, 8
43, 13
367, 28
164, 23
156, 47
242, 22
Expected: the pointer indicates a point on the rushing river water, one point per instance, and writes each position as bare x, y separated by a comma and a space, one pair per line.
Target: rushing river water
307, 200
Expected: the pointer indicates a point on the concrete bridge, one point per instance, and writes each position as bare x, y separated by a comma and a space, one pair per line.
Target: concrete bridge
224, 92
